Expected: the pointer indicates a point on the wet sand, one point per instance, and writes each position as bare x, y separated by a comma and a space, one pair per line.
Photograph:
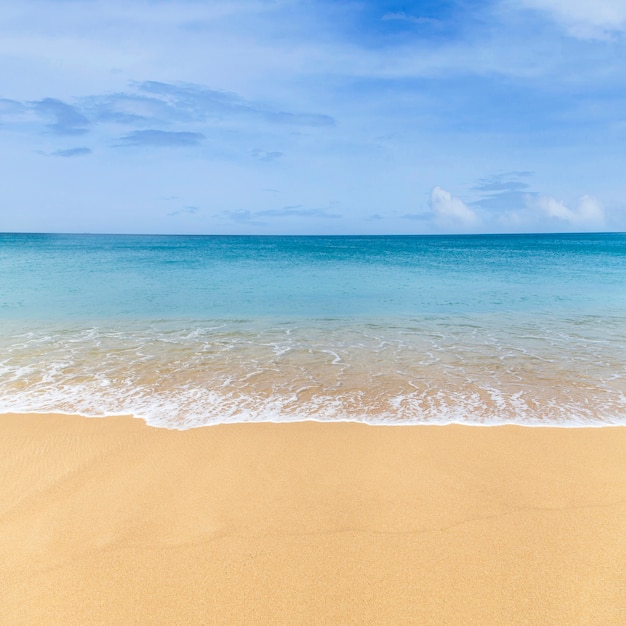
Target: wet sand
109, 521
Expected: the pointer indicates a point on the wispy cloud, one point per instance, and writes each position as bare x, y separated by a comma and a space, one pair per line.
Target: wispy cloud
243, 216
127, 108
293, 211
503, 192
71, 152
506, 181
159, 114
160, 138
67, 119
502, 202
581, 18
402, 16
201, 103
265, 156
11, 107
187, 210
296, 211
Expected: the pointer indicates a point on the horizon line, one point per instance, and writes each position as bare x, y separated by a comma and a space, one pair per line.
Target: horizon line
147, 234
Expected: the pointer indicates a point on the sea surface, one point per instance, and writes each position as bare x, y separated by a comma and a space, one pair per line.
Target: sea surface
185, 331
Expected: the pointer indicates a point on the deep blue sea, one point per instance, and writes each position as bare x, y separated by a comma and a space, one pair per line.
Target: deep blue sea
185, 331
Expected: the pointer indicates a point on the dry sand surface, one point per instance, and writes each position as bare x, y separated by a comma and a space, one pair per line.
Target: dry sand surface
109, 521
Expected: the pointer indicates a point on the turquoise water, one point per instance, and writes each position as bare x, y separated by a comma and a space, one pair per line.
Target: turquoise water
186, 331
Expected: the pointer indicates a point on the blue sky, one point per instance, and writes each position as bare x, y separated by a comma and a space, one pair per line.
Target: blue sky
294, 116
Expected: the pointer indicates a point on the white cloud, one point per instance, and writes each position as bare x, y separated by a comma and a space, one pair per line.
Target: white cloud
590, 210
582, 18
555, 208
405, 17
587, 212
450, 210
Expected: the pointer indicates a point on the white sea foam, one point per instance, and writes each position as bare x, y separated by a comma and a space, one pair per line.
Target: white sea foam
198, 373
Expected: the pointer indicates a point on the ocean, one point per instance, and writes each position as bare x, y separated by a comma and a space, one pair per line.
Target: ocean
186, 331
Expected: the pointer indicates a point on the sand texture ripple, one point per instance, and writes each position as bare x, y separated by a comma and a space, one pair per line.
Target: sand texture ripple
109, 521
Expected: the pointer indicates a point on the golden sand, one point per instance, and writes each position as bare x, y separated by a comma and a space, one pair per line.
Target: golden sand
109, 521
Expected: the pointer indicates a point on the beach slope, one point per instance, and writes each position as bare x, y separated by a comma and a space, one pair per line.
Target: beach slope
109, 521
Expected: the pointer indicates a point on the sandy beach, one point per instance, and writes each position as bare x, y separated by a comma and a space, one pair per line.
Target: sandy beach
109, 521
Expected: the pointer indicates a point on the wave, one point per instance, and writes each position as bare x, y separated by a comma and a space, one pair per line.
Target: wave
185, 373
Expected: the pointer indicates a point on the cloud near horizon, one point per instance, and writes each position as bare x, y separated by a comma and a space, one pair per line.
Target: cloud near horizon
259, 218
586, 213
450, 211
510, 206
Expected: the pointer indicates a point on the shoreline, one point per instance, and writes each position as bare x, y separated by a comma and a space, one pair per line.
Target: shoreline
146, 421
111, 520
